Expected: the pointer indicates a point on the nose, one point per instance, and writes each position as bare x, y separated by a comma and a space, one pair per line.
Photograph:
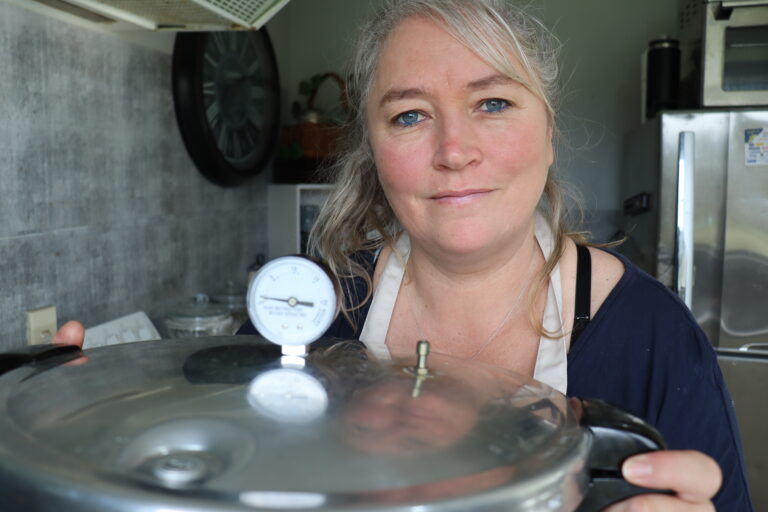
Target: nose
456, 144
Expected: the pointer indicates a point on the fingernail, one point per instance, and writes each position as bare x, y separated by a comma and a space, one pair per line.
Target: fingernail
637, 468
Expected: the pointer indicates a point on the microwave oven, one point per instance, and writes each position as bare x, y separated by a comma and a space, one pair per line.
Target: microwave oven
724, 47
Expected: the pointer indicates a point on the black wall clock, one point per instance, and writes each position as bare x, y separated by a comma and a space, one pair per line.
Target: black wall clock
226, 95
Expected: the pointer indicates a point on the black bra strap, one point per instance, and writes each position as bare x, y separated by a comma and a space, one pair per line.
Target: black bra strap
583, 292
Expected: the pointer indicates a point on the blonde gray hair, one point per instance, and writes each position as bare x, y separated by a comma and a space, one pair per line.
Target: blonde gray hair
498, 32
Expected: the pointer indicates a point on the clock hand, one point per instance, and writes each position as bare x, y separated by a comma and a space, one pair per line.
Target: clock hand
292, 301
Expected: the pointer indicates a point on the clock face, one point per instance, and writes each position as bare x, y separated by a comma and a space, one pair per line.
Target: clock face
226, 95
292, 301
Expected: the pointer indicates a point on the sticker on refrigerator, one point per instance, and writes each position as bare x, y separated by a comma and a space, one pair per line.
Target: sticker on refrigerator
756, 146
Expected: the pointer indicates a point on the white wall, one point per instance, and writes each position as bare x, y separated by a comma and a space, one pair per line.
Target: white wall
312, 37
602, 43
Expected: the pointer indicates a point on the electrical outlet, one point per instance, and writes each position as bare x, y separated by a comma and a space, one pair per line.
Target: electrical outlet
41, 325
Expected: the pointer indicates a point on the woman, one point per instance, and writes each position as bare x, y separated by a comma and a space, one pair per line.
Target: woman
448, 161
446, 225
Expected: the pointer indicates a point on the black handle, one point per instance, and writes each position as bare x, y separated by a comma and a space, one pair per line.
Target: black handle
617, 435
35, 354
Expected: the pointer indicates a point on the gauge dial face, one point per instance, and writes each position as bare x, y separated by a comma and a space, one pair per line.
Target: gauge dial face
288, 395
292, 301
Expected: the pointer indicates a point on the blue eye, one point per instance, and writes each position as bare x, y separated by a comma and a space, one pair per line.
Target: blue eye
408, 118
494, 105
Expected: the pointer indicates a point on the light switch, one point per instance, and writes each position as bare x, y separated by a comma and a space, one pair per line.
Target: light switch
41, 325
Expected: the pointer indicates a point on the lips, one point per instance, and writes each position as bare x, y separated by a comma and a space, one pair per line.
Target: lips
460, 196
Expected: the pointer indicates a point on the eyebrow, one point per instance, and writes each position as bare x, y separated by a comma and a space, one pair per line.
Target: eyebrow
491, 80
402, 94
418, 92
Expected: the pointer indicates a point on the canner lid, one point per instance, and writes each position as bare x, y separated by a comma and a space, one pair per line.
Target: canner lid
227, 423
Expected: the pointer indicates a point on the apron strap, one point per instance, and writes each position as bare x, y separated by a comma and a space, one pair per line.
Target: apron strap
583, 292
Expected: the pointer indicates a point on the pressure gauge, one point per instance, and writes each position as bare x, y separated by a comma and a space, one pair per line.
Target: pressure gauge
292, 301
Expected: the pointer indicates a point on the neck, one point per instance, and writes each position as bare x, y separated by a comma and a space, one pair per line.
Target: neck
464, 309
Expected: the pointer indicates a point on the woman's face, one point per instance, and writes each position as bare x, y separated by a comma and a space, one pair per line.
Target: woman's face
462, 151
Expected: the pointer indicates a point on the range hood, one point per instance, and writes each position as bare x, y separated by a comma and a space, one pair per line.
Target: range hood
170, 15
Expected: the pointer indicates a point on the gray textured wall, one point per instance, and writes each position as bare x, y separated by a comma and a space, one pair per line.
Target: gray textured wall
101, 210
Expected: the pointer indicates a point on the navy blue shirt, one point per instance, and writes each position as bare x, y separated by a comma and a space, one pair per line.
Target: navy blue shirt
644, 353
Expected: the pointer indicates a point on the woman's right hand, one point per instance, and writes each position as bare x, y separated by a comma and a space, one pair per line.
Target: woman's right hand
71, 333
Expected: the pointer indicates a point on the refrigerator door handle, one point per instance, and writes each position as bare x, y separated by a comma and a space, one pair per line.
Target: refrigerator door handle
684, 235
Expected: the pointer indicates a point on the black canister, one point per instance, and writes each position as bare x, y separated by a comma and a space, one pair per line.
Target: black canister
662, 90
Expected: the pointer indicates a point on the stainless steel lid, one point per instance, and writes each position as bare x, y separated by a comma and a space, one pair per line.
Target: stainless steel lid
227, 423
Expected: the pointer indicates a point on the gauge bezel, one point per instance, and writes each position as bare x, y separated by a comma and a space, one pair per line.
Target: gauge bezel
319, 277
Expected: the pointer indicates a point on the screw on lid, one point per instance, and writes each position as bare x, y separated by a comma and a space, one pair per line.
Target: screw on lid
179, 468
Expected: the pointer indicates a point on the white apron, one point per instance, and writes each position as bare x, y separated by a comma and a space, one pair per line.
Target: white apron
552, 358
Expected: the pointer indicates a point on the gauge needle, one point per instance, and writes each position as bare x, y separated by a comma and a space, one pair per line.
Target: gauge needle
292, 301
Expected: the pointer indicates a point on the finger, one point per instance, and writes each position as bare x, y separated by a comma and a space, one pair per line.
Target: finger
71, 333
693, 476
659, 503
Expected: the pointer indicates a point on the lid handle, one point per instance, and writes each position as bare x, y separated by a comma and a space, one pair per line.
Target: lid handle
617, 435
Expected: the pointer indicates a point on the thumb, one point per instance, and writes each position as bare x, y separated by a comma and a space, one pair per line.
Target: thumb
71, 333
692, 475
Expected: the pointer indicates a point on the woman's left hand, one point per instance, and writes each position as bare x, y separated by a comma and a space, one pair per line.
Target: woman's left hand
693, 476
71, 333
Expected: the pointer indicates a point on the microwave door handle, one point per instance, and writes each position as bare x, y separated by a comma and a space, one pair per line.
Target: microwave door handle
684, 232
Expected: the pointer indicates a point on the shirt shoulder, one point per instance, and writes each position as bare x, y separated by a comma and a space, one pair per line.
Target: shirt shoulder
644, 352
641, 309
645, 341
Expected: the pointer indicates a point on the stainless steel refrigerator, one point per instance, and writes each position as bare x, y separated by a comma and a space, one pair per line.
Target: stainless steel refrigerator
695, 192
